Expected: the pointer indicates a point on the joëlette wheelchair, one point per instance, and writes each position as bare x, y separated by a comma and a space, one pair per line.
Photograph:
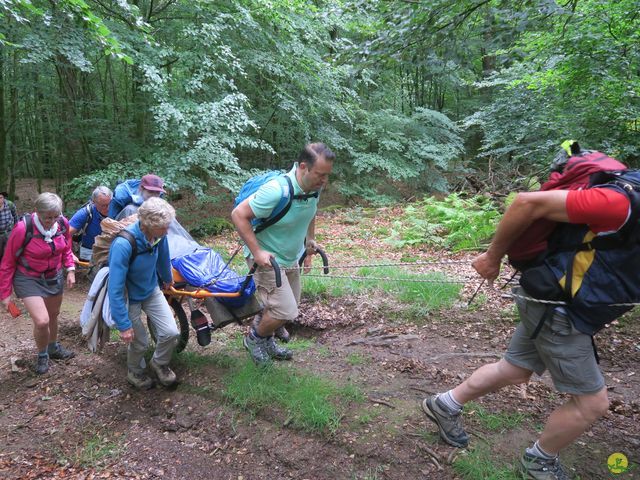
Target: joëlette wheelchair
201, 277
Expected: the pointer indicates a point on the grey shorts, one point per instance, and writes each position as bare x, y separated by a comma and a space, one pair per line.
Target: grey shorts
26, 286
281, 302
560, 348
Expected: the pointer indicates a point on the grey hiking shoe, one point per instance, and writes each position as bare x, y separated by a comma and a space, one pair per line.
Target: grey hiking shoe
165, 375
140, 380
60, 353
277, 352
542, 469
449, 425
281, 332
257, 348
42, 365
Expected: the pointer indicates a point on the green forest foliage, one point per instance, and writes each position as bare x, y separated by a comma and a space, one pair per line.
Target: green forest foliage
453, 223
412, 96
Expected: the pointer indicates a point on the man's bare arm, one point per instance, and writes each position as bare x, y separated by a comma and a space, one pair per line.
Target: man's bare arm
241, 217
525, 209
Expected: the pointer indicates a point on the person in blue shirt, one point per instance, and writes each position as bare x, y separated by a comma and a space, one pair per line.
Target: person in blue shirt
87, 220
134, 192
135, 278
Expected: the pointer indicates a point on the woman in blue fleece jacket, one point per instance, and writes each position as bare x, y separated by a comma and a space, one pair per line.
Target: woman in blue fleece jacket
136, 280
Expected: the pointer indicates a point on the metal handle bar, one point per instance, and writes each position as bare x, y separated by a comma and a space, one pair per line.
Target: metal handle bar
276, 269
200, 293
325, 259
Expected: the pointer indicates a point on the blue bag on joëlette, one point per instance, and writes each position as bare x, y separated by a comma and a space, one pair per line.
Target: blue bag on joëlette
205, 268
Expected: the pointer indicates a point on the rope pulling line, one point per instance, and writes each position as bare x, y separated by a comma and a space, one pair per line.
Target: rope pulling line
386, 279
417, 280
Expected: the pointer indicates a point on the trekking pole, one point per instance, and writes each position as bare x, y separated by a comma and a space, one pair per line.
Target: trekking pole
476, 292
509, 281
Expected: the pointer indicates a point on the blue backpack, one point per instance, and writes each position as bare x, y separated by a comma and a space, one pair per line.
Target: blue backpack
252, 185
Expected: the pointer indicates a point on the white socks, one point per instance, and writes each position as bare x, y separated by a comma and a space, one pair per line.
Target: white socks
450, 402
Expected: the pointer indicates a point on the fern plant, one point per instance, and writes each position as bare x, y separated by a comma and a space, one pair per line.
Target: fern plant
454, 222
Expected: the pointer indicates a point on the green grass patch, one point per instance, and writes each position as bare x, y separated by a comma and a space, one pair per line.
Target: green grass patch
193, 360
366, 416
95, 451
495, 422
429, 290
357, 359
382, 232
626, 321
318, 287
235, 343
372, 473
479, 301
310, 403
481, 464
323, 352
301, 344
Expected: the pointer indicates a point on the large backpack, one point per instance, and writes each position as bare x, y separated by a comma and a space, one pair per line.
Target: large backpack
27, 218
576, 175
252, 185
597, 275
110, 230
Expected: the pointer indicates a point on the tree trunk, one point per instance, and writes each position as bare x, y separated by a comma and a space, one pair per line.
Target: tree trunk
137, 102
3, 132
72, 144
13, 118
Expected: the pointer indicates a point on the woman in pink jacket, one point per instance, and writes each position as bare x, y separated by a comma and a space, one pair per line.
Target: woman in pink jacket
34, 270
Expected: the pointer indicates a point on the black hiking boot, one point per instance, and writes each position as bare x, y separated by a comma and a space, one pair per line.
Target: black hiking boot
60, 353
42, 364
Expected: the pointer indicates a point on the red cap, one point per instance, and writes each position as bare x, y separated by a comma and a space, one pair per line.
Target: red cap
153, 183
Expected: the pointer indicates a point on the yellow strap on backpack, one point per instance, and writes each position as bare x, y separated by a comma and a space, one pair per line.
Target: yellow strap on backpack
581, 263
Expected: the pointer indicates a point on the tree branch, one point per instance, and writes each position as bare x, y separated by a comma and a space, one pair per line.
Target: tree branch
117, 15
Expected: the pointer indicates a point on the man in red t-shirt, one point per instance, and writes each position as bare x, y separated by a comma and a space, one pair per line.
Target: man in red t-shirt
559, 347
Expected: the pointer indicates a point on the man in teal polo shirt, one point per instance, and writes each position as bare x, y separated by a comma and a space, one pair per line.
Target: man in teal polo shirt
283, 241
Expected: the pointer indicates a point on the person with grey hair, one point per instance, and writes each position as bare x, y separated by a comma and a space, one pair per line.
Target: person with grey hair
38, 250
85, 223
138, 256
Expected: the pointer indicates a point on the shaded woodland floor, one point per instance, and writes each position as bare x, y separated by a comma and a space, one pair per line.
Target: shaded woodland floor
83, 421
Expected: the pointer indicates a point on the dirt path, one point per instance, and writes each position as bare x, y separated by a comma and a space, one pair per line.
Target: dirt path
83, 421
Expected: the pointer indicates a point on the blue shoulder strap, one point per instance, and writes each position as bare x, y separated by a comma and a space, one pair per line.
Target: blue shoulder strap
283, 205
126, 234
